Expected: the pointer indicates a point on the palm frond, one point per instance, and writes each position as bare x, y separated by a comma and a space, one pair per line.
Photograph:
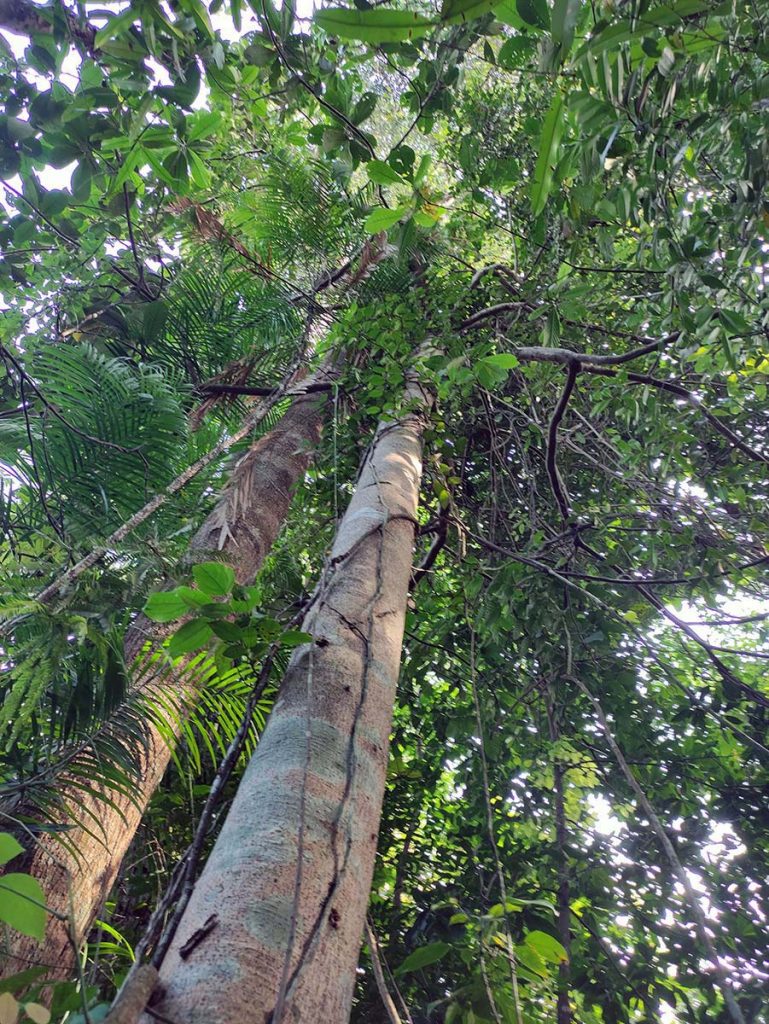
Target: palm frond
189, 699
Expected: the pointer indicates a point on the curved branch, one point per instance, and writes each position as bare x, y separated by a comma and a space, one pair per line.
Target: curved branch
554, 476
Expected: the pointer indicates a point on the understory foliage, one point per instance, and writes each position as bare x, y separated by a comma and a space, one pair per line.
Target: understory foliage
564, 205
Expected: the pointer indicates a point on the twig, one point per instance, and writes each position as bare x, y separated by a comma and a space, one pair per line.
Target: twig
381, 984
133, 998
198, 936
253, 389
434, 550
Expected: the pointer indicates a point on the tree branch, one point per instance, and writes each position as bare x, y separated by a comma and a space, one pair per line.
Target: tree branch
554, 476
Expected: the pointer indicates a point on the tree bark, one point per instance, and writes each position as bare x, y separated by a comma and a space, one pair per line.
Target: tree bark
76, 879
273, 929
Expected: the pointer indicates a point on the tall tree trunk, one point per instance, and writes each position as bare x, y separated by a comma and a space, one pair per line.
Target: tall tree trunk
273, 929
241, 531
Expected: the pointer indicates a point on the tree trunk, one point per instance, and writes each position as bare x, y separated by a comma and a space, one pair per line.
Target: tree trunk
241, 531
273, 929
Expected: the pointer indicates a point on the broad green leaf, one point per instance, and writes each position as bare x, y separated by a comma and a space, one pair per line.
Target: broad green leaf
155, 316
9, 848
507, 13
534, 12
514, 50
295, 637
422, 171
375, 25
200, 14
424, 956
382, 174
117, 24
214, 578
734, 322
457, 11
227, 631
546, 946
381, 220
563, 21
21, 981
194, 598
190, 637
502, 361
22, 904
425, 219
165, 606
531, 959
658, 17
547, 156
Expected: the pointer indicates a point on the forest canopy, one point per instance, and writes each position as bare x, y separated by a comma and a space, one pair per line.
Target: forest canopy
384, 504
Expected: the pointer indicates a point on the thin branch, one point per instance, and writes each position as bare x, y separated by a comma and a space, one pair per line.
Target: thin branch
253, 389
133, 998
434, 550
551, 465
381, 984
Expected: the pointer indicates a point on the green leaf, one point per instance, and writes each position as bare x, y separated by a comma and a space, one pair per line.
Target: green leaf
214, 578
294, 638
527, 956
425, 219
22, 980
9, 848
165, 606
422, 171
502, 361
546, 946
195, 598
563, 21
364, 107
190, 637
375, 25
117, 24
176, 166
22, 904
548, 154
507, 13
227, 631
424, 956
513, 50
734, 322
382, 219
382, 174
155, 316
457, 11
533, 12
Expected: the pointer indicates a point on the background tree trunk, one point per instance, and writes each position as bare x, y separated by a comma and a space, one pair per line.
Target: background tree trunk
240, 531
287, 884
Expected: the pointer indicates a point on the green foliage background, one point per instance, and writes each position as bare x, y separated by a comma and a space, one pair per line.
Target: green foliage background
573, 195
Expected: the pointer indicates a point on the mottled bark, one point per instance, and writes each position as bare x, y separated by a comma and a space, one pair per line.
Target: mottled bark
241, 531
28, 19
289, 876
